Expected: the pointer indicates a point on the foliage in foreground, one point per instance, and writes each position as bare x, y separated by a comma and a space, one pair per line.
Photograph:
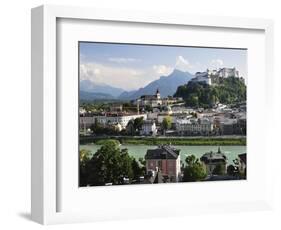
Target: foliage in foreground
194, 170
109, 164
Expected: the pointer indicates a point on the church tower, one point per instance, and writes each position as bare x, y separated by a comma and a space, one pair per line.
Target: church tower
157, 94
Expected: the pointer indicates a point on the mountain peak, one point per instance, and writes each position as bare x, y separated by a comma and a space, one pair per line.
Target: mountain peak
167, 85
179, 72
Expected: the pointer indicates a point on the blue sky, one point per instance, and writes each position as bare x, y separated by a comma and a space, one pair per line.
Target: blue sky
133, 66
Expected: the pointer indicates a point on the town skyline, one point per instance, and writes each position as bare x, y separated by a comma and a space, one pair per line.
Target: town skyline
130, 67
187, 127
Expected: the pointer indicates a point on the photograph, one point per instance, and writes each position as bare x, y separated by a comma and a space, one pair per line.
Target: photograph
151, 114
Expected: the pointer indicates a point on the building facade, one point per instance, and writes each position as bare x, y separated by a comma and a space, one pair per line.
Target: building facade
148, 128
202, 77
109, 119
211, 160
165, 159
194, 126
155, 100
228, 72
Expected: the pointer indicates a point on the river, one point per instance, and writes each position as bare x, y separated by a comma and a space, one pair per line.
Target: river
139, 151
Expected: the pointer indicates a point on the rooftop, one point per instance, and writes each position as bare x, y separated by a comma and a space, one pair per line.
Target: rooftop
162, 152
243, 157
212, 157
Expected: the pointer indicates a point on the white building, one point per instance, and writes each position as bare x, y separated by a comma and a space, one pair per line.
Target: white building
206, 76
148, 128
194, 126
150, 100
109, 119
228, 72
155, 100
202, 77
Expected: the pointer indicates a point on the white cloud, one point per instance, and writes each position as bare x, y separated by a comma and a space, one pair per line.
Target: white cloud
183, 64
122, 77
123, 60
162, 70
216, 63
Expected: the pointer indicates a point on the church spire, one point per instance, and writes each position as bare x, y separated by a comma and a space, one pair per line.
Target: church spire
158, 93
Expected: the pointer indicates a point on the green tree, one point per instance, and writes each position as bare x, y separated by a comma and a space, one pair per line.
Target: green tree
130, 129
193, 100
126, 165
194, 170
167, 123
219, 169
104, 167
226, 90
148, 108
84, 158
109, 164
138, 122
138, 169
232, 170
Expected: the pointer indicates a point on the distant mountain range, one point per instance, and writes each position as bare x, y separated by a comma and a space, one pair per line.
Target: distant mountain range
167, 86
90, 96
90, 87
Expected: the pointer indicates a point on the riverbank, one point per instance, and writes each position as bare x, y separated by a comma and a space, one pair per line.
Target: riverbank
215, 141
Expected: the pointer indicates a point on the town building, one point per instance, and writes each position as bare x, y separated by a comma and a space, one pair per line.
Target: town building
108, 119
150, 100
155, 100
194, 126
227, 126
211, 160
165, 159
148, 128
116, 107
232, 123
171, 100
243, 164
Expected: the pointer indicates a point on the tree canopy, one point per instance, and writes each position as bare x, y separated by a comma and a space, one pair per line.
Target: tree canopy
219, 169
109, 164
227, 91
167, 123
194, 170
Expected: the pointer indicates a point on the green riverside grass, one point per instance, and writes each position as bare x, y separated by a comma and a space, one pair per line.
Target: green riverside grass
166, 140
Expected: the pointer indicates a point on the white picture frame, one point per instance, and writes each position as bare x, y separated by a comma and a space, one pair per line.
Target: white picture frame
45, 206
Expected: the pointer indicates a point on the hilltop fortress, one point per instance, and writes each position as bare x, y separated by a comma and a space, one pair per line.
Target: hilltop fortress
212, 76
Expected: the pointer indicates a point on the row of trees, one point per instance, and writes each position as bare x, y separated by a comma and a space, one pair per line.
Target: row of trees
228, 90
109, 164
